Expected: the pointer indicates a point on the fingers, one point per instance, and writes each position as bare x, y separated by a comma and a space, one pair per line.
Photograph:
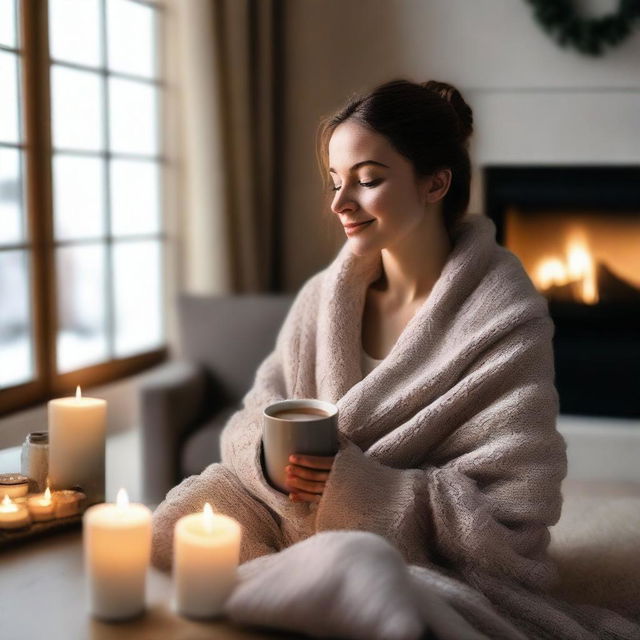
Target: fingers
306, 485
303, 496
307, 474
314, 462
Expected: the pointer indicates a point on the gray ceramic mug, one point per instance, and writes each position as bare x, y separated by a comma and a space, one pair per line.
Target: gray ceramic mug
305, 426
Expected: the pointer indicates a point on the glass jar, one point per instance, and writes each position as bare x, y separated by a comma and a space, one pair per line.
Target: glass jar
34, 460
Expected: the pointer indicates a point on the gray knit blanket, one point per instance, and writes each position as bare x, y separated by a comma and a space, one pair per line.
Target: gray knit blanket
447, 480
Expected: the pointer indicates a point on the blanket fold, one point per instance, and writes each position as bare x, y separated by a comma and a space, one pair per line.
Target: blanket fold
449, 447
347, 585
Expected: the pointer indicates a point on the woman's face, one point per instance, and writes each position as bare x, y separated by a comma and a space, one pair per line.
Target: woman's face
375, 184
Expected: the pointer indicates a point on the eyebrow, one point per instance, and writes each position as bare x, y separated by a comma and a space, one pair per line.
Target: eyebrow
357, 165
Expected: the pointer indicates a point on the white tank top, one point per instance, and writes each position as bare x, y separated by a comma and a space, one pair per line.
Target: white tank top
368, 363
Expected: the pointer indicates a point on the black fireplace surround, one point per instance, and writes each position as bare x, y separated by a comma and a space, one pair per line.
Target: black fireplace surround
597, 347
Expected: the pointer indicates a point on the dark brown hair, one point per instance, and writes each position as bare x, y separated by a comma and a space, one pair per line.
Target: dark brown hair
429, 123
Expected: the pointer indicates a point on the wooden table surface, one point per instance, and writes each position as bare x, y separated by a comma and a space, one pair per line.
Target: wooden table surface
42, 596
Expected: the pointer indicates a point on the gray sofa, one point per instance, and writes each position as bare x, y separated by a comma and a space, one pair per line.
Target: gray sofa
185, 403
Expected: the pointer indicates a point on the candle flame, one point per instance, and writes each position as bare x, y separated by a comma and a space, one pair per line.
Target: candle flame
47, 495
122, 499
78, 393
208, 518
8, 505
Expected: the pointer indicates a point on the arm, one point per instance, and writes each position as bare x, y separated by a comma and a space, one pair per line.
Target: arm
276, 377
487, 504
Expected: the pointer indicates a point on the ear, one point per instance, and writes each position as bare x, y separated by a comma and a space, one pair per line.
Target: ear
437, 185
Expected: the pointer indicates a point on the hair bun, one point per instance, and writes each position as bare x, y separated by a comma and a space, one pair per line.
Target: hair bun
454, 98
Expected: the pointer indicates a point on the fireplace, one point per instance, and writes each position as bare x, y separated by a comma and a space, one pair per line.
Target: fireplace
576, 231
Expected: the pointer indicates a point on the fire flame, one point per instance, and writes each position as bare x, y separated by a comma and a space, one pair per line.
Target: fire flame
47, 496
578, 267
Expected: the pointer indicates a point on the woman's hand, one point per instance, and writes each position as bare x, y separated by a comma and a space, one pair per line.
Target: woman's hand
307, 476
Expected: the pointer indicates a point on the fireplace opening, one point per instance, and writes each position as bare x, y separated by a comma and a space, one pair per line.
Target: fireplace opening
576, 231
586, 258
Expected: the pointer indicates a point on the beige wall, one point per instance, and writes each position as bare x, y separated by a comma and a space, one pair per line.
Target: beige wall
532, 101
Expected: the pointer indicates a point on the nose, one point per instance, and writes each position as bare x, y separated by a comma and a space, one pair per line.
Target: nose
343, 201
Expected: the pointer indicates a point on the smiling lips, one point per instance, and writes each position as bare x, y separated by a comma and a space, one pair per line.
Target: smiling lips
354, 227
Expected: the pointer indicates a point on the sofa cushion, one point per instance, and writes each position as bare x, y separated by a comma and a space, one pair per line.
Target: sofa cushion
230, 335
202, 447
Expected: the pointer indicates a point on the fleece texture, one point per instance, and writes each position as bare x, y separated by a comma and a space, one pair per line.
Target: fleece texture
448, 449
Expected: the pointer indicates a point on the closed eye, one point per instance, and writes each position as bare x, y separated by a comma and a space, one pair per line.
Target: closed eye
373, 183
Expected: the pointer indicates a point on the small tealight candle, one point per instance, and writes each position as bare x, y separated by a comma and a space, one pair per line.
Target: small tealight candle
117, 549
41, 506
12, 515
206, 555
14, 485
68, 502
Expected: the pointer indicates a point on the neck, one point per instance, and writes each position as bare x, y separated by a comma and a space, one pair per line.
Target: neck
412, 266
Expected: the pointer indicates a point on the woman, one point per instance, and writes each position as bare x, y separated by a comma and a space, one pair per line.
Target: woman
436, 347
403, 207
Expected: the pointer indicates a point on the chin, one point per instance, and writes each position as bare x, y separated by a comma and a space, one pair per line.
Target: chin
363, 249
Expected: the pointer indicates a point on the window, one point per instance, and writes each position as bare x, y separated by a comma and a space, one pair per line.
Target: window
82, 237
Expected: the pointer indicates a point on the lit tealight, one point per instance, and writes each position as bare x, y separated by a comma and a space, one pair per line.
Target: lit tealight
8, 505
41, 506
12, 515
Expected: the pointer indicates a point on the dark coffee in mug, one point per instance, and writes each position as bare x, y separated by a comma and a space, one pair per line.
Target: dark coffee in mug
301, 413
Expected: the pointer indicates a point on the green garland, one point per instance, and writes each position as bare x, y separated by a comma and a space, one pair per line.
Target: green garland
590, 36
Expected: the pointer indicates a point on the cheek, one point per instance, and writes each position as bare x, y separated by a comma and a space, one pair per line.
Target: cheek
380, 202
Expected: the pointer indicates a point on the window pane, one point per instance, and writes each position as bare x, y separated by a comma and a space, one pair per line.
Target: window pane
81, 339
132, 117
15, 327
75, 31
11, 216
78, 189
9, 97
131, 37
8, 23
138, 296
77, 109
134, 197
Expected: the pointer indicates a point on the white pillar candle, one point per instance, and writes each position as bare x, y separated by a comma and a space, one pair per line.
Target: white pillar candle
206, 555
12, 515
41, 506
77, 445
117, 549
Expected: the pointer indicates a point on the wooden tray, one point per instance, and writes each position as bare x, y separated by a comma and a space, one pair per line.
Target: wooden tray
37, 529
